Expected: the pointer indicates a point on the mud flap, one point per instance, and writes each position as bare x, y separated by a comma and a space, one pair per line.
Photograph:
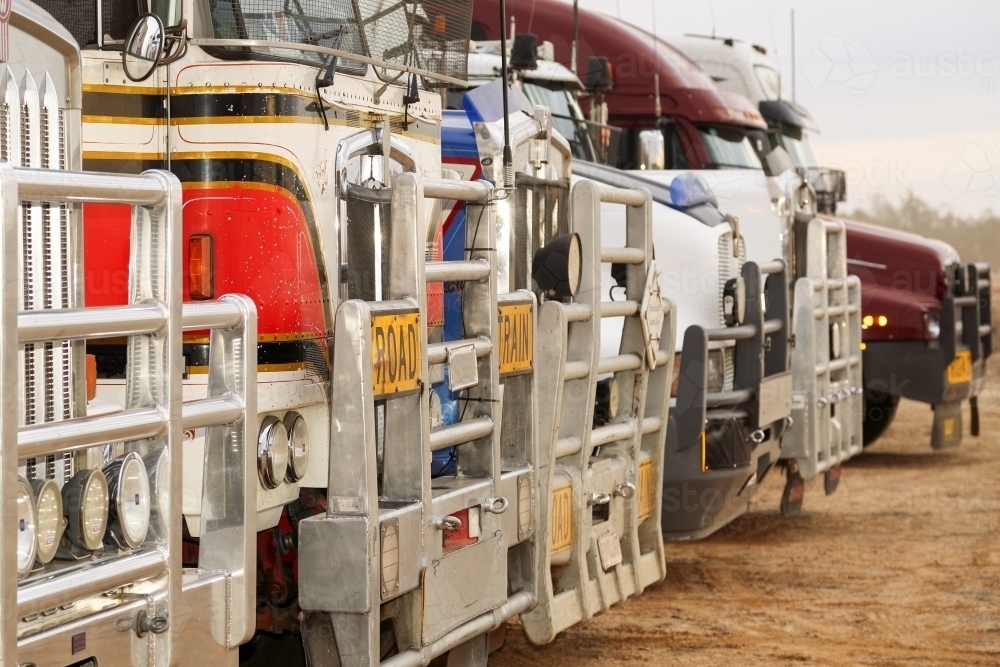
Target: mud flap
974, 416
947, 431
795, 491
831, 479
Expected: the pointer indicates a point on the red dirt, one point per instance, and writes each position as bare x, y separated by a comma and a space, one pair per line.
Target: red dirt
901, 566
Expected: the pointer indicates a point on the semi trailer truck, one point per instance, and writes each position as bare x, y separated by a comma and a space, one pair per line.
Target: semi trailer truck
712, 477
272, 367
926, 316
674, 119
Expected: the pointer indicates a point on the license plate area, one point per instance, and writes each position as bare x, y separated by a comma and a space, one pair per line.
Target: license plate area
562, 518
775, 399
960, 369
516, 333
396, 353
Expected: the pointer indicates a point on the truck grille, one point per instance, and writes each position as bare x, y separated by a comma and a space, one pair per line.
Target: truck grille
32, 134
729, 267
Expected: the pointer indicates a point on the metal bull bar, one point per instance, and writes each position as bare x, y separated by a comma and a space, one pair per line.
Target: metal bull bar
743, 426
966, 341
827, 389
599, 511
113, 602
433, 563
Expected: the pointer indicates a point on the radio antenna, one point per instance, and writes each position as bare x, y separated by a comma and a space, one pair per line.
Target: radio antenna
508, 158
576, 36
793, 54
711, 10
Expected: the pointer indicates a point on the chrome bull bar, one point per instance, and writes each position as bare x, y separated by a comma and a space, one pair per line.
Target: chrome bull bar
615, 469
125, 606
827, 385
447, 559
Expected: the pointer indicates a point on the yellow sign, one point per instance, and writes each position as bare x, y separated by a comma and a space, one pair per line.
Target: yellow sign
960, 370
396, 353
562, 519
516, 332
646, 490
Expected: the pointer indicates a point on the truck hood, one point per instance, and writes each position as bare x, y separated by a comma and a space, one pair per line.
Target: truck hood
689, 256
743, 193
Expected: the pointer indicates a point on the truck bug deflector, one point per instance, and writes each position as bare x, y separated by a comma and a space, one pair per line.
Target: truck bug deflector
699, 498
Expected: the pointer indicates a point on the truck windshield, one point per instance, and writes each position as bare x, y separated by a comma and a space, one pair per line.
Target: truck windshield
567, 118
432, 35
769, 81
729, 149
799, 150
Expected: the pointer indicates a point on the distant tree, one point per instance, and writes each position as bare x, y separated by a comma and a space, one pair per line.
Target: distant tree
976, 238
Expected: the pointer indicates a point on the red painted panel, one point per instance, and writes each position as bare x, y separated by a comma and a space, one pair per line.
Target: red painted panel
262, 249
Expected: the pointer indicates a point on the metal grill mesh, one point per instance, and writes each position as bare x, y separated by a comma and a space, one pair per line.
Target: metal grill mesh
431, 35
541, 214
79, 17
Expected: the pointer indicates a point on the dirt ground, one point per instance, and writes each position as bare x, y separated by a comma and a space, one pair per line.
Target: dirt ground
901, 566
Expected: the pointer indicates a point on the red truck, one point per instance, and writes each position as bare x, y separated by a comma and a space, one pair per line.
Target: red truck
926, 315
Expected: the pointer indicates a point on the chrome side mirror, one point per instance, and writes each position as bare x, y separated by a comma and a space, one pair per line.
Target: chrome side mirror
143, 47
652, 150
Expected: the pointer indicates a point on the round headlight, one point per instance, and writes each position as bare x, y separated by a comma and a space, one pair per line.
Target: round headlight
49, 505
158, 470
27, 527
557, 268
298, 446
734, 301
128, 488
272, 452
835, 340
85, 502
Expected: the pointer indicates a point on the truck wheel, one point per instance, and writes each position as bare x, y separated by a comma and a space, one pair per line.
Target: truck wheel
880, 408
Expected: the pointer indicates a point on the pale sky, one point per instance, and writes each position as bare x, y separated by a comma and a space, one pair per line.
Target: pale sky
906, 94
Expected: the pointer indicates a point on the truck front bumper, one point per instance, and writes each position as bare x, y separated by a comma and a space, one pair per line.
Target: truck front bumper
720, 445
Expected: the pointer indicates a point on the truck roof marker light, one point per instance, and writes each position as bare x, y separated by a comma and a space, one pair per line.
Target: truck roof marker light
557, 268
883, 320
200, 270
867, 321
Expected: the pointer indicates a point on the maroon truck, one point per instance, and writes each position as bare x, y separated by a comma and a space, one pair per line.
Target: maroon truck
926, 315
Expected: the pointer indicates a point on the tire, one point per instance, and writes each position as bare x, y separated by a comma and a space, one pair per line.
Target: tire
880, 409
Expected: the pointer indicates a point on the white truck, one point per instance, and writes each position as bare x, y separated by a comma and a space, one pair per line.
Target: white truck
714, 471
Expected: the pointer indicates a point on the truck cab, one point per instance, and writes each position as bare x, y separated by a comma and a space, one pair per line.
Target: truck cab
673, 118
736, 444
905, 278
